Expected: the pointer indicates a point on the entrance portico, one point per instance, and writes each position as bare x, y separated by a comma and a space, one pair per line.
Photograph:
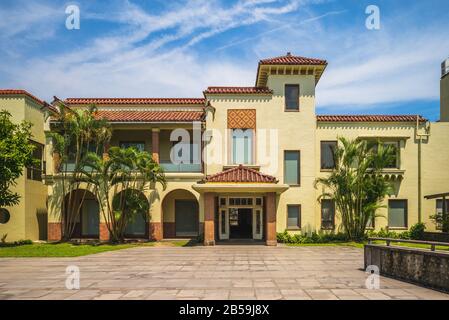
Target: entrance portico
239, 203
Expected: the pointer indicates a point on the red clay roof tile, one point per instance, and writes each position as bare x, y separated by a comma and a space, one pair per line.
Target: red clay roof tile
240, 174
150, 116
292, 60
369, 118
238, 90
140, 101
20, 92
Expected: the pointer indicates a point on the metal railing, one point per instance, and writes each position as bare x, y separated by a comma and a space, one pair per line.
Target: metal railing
432, 244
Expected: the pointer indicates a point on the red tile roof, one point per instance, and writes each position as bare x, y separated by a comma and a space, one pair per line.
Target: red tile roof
369, 118
150, 116
238, 90
20, 92
240, 174
293, 60
142, 101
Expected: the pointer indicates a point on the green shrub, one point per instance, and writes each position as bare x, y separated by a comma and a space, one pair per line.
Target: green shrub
285, 237
15, 243
417, 231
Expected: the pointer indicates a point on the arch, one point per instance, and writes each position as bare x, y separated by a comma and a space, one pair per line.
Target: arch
180, 214
87, 219
137, 225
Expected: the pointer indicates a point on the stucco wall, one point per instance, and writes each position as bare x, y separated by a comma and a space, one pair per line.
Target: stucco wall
24, 223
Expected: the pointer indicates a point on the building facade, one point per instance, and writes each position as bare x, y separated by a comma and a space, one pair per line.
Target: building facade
27, 220
241, 162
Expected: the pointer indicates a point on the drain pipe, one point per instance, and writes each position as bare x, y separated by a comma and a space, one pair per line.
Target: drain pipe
419, 137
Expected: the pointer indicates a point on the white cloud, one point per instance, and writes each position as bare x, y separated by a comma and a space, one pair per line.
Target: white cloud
155, 55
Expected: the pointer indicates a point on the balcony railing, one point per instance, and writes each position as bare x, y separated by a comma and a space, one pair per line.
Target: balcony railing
181, 167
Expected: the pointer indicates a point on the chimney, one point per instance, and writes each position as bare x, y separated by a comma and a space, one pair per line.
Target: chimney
289, 54
444, 91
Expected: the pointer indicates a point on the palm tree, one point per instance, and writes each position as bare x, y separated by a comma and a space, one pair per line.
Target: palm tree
118, 181
356, 184
75, 133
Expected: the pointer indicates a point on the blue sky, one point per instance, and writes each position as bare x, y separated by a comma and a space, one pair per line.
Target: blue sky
177, 48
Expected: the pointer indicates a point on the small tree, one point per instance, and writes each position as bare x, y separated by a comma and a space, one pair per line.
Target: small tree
356, 184
16, 153
118, 181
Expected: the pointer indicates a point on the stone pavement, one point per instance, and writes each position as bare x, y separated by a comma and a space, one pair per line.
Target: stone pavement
220, 272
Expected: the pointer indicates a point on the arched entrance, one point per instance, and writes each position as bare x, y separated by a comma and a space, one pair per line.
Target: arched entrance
136, 211
180, 214
83, 212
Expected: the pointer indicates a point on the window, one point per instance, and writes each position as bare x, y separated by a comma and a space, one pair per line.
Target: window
397, 213
4, 216
223, 222
439, 212
258, 201
222, 201
394, 145
293, 216
327, 214
132, 144
327, 154
292, 97
242, 146
240, 201
291, 167
34, 172
258, 222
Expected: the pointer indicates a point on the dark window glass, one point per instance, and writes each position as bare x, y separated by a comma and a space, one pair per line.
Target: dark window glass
258, 221
439, 211
258, 201
34, 172
293, 217
327, 154
291, 167
327, 214
397, 213
222, 201
132, 144
291, 97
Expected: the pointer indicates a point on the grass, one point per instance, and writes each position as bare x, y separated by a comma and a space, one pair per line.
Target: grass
62, 249
76, 250
361, 244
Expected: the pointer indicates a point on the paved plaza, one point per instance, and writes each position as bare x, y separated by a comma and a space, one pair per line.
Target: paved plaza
220, 272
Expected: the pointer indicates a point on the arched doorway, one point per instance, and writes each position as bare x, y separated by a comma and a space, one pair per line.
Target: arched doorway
180, 214
83, 212
136, 210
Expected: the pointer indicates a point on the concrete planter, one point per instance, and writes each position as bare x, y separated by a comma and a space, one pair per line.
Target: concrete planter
415, 265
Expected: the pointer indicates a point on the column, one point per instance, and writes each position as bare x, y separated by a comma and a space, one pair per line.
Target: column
106, 151
209, 216
271, 219
155, 144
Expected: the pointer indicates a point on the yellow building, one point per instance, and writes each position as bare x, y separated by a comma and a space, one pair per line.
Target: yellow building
27, 220
249, 156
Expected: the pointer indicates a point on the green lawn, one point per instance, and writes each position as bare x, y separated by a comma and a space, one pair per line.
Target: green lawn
360, 245
61, 249
76, 250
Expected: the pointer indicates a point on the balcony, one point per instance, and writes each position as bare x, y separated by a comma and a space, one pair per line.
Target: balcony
181, 167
